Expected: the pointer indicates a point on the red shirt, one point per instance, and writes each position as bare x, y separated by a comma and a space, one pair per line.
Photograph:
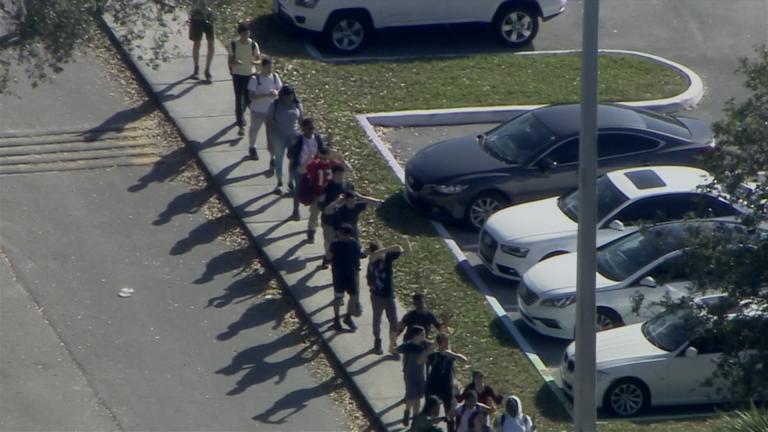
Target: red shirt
319, 172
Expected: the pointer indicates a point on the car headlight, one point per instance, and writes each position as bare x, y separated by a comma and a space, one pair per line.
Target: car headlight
306, 3
515, 250
450, 189
559, 302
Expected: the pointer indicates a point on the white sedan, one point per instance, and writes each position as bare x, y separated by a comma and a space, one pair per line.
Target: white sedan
647, 264
659, 362
516, 238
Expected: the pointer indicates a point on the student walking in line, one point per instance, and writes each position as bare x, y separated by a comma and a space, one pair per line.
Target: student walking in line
418, 316
485, 393
347, 208
414, 354
513, 419
243, 55
201, 19
283, 118
337, 186
345, 267
466, 410
478, 422
440, 374
304, 150
379, 275
319, 174
427, 419
262, 89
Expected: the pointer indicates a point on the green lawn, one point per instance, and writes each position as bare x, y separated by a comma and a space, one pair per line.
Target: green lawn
334, 93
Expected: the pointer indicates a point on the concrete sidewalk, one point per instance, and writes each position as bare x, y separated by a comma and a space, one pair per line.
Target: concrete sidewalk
204, 113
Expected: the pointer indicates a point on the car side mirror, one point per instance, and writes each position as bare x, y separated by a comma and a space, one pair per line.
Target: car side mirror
616, 225
545, 164
691, 352
649, 282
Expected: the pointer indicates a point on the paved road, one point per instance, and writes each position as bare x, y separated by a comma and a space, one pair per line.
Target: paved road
197, 347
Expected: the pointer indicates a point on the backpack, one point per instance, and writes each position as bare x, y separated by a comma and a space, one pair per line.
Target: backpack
258, 78
295, 151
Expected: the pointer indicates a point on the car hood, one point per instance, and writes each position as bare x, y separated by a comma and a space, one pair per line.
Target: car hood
447, 160
557, 275
622, 345
531, 219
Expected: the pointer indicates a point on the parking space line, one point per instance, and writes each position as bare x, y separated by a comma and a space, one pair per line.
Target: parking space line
523, 343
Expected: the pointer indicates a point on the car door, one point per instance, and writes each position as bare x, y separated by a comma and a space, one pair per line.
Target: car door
414, 12
688, 375
472, 10
668, 278
616, 149
669, 207
554, 172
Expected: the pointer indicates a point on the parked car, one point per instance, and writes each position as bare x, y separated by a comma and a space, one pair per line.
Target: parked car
664, 361
647, 263
346, 25
535, 155
516, 238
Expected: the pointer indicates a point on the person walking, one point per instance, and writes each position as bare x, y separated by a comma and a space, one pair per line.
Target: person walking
485, 393
478, 422
319, 174
347, 208
201, 19
426, 420
345, 268
440, 374
302, 152
418, 316
283, 117
243, 55
513, 419
379, 275
262, 89
466, 410
414, 354
333, 190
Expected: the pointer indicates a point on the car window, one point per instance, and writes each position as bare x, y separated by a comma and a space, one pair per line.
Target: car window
670, 270
664, 123
609, 198
519, 140
565, 153
626, 256
618, 144
709, 343
715, 207
673, 207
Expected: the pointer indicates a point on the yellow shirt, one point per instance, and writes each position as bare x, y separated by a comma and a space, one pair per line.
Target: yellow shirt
245, 54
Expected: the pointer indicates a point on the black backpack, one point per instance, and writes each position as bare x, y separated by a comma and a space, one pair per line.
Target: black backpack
295, 151
258, 78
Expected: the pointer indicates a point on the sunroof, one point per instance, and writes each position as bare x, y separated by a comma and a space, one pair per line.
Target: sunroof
645, 179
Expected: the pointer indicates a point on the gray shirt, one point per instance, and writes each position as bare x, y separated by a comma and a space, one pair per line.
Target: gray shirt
285, 119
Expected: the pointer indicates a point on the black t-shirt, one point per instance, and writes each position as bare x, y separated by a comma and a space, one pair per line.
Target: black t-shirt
423, 319
440, 378
349, 215
332, 192
379, 275
346, 256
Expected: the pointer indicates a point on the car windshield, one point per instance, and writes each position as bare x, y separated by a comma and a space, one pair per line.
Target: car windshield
609, 197
623, 258
519, 140
666, 331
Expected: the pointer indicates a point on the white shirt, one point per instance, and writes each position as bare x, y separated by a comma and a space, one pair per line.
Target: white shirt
262, 85
308, 151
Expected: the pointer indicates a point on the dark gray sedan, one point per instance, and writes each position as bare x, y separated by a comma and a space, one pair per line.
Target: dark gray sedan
535, 155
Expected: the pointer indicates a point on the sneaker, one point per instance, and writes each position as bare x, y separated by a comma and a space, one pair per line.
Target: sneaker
278, 190
208, 76
323, 266
359, 310
295, 215
406, 418
348, 321
377, 346
311, 236
252, 153
336, 325
195, 73
392, 347
240, 131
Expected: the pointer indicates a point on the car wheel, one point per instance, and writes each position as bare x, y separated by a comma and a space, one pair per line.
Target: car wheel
346, 33
516, 26
483, 206
607, 319
627, 397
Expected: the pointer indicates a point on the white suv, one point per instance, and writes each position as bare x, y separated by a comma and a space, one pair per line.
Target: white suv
346, 25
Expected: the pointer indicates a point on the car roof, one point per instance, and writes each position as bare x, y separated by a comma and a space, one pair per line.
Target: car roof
565, 120
652, 180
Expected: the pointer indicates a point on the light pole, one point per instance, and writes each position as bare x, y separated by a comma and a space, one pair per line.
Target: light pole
585, 417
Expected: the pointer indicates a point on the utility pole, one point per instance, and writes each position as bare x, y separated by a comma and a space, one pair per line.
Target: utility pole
585, 416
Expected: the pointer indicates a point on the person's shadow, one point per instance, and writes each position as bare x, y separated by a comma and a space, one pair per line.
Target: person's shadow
293, 402
242, 289
166, 168
256, 315
230, 260
187, 202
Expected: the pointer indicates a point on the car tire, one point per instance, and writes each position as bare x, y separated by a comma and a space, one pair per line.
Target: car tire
516, 26
627, 397
347, 32
482, 206
606, 318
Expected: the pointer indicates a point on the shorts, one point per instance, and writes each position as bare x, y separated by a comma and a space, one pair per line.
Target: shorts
346, 284
198, 28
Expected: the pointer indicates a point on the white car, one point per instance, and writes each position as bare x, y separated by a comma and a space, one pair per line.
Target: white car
647, 264
516, 238
346, 25
663, 361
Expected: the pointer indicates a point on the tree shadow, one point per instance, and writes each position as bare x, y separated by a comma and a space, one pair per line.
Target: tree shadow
278, 40
188, 202
258, 314
241, 290
202, 234
227, 261
167, 168
292, 403
397, 214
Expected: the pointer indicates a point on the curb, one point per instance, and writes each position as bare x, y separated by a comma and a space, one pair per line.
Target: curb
498, 114
376, 422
